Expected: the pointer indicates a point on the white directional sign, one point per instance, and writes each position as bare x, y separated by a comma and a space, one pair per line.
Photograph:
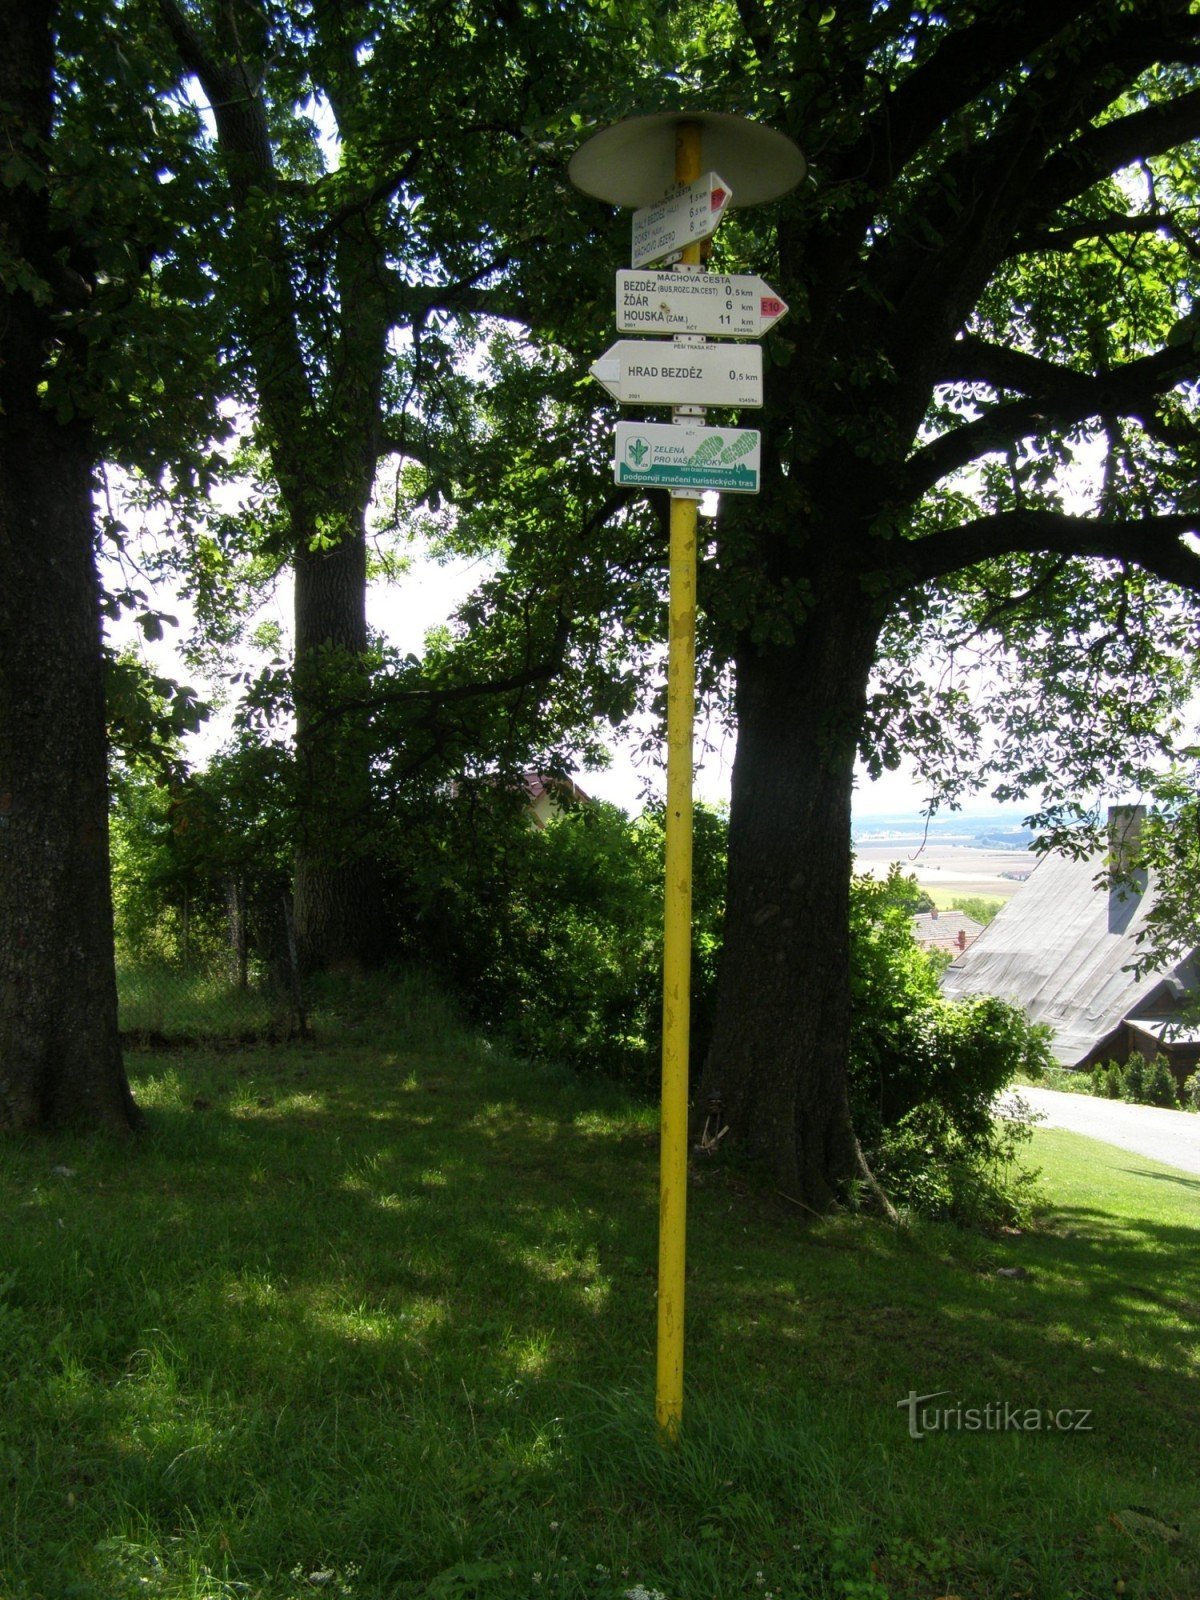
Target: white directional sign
689, 214
675, 455
731, 307
650, 372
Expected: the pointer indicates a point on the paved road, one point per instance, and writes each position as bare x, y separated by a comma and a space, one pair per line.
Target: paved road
1172, 1137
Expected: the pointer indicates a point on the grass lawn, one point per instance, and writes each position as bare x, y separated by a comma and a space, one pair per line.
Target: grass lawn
156, 1001
374, 1316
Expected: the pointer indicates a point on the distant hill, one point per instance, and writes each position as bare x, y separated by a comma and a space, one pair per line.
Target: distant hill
994, 830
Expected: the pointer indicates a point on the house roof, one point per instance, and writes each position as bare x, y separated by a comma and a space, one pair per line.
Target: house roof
944, 927
1061, 949
538, 784
1167, 1030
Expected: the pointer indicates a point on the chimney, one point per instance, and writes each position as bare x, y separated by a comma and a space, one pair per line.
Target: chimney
1124, 838
1127, 878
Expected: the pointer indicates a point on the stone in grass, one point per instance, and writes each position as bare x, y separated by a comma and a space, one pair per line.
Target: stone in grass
1012, 1272
1137, 1520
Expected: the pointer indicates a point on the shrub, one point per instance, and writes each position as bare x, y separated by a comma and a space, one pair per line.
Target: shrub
925, 1073
1140, 1082
981, 907
1191, 1092
910, 1046
1133, 1079
1108, 1080
929, 1167
1069, 1079
553, 934
1159, 1087
201, 864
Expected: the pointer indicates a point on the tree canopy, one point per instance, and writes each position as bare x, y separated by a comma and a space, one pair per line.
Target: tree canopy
994, 265
352, 225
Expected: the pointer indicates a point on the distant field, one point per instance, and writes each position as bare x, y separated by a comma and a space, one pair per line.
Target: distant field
952, 868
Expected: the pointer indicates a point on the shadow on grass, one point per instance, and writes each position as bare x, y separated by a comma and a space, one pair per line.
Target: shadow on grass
383, 1296
285, 1200
526, 1241
324, 1284
1164, 1177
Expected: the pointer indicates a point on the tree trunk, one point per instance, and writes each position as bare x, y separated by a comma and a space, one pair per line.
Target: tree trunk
324, 462
60, 1057
778, 1060
235, 907
338, 905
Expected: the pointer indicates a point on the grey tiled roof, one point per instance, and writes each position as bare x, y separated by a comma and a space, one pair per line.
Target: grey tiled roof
944, 926
1061, 949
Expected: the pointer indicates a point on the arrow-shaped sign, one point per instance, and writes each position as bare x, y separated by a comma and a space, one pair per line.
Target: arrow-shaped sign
686, 216
720, 307
648, 372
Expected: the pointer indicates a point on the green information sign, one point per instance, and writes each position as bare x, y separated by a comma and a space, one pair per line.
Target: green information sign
672, 455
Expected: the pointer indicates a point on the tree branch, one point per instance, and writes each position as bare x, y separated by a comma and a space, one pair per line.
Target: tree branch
244, 141
969, 61
414, 303
399, 442
1058, 397
434, 697
219, 83
235, 96
975, 360
1101, 151
756, 29
1154, 543
384, 189
1065, 238
963, 222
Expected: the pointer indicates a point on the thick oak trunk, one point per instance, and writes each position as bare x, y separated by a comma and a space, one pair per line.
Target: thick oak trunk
778, 1060
338, 905
60, 1058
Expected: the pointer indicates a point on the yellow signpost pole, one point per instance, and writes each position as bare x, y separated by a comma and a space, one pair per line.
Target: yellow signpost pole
630, 164
677, 916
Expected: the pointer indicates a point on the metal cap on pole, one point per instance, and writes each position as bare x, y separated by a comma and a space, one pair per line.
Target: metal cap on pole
632, 162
